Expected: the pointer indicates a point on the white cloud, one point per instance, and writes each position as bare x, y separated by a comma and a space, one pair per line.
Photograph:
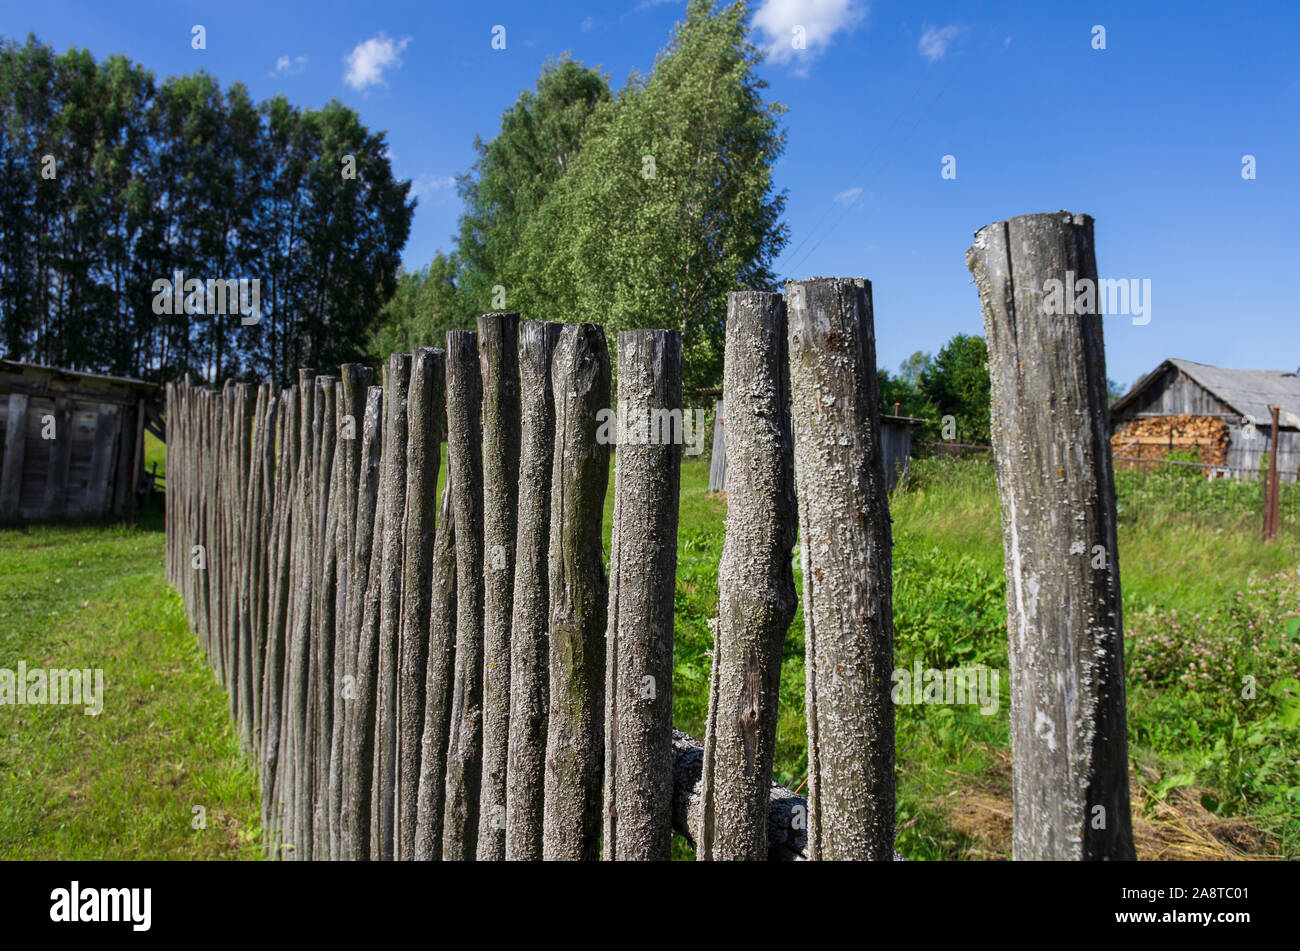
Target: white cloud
286, 66
814, 23
429, 185
934, 42
367, 62
849, 197
587, 25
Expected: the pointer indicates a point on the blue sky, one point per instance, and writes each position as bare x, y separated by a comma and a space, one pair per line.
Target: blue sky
1147, 135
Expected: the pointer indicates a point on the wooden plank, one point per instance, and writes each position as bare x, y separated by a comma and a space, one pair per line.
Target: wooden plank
101, 458
56, 486
11, 470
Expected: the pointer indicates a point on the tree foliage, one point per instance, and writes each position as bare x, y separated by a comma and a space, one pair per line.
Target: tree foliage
110, 181
637, 210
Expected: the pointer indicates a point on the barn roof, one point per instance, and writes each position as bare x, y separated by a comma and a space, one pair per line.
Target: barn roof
1248, 392
14, 366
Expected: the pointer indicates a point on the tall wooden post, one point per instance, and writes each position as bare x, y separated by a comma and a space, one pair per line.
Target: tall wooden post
425, 413
578, 593
1051, 439
465, 469
847, 569
529, 643
756, 593
499, 357
643, 574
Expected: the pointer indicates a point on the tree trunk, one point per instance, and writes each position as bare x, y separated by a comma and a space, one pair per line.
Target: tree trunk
529, 644
756, 594
1051, 438
578, 592
847, 569
643, 575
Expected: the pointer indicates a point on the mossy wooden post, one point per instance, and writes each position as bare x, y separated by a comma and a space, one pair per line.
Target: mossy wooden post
440, 671
529, 651
393, 493
425, 411
1051, 438
355, 381
578, 591
498, 338
302, 628
756, 593
326, 623
263, 543
465, 469
847, 569
358, 692
252, 549
277, 635
637, 814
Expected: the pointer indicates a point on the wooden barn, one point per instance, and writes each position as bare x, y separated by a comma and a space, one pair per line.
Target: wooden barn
73, 442
1222, 416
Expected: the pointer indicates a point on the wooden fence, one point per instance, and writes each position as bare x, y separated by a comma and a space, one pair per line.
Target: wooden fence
460, 678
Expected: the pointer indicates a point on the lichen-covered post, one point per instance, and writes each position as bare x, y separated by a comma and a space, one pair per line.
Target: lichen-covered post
847, 569
637, 812
423, 460
358, 693
439, 674
529, 650
756, 593
499, 357
1051, 437
578, 592
465, 469
393, 493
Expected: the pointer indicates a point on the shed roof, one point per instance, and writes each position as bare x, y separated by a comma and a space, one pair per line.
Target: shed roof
14, 366
1248, 392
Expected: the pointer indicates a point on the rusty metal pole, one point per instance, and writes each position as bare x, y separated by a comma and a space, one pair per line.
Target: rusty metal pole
1270, 524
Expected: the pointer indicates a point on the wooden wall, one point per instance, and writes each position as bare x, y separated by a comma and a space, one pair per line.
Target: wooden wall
72, 444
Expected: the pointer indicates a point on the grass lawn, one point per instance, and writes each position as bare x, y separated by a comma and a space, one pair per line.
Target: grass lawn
1214, 776
123, 784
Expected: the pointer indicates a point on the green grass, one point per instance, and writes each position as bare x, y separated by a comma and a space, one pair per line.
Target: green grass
1199, 589
122, 784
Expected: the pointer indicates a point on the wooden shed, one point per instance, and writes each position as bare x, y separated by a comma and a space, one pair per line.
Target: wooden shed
73, 442
1222, 416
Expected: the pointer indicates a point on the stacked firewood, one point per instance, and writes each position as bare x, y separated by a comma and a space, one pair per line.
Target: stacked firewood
1154, 437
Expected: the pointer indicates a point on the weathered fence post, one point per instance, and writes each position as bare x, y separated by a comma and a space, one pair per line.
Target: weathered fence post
363, 624
425, 411
529, 650
756, 594
355, 382
847, 565
578, 592
499, 356
437, 685
465, 470
1051, 438
393, 494
637, 818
